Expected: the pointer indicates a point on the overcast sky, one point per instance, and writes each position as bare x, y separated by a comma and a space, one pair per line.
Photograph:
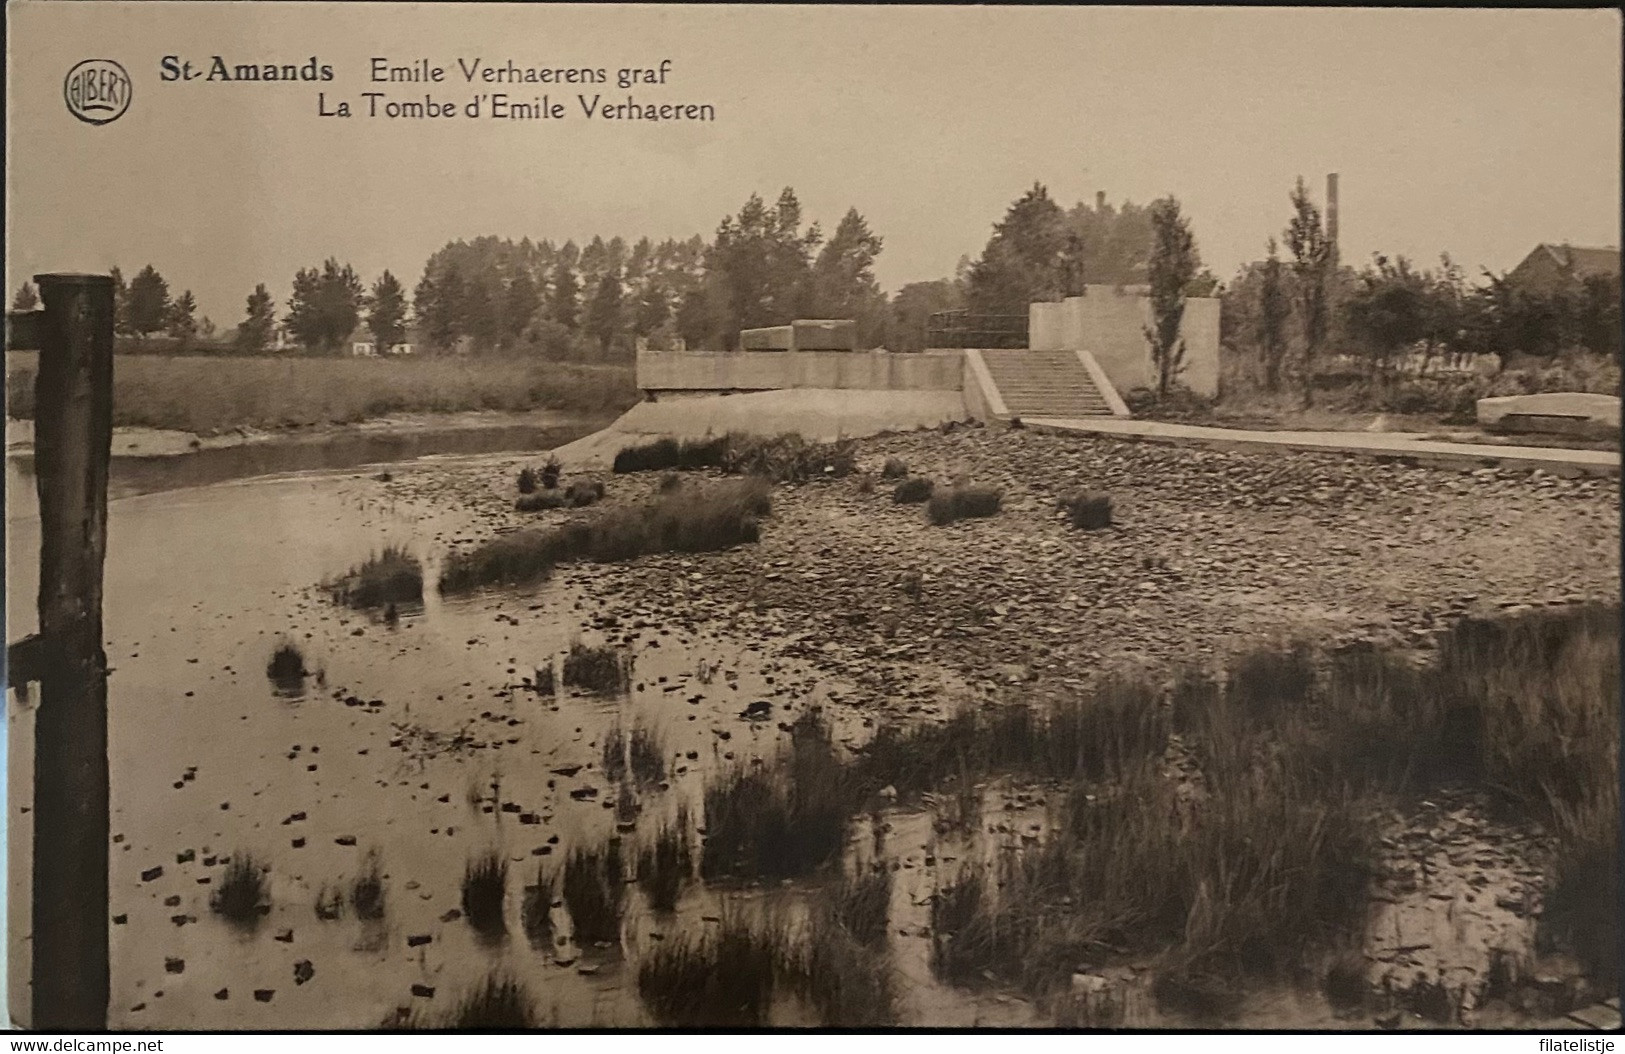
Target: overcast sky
1475, 132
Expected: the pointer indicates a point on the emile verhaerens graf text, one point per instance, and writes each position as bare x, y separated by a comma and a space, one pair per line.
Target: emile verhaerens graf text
421, 89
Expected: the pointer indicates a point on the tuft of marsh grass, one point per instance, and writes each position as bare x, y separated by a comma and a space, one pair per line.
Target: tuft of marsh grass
843, 977
367, 891
644, 754
913, 490
861, 904
780, 824
724, 979
894, 468
1088, 511
594, 889
392, 576
536, 914
959, 503
527, 480
485, 889
666, 864
286, 670
499, 1004
243, 896
698, 519
597, 668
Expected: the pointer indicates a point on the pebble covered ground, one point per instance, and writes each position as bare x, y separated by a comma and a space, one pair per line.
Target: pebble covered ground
1208, 551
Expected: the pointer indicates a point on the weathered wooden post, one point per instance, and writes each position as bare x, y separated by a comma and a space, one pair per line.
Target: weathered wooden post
73, 435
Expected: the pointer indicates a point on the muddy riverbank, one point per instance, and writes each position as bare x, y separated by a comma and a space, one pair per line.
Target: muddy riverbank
416, 743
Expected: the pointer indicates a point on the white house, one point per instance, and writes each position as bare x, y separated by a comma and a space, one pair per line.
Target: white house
362, 343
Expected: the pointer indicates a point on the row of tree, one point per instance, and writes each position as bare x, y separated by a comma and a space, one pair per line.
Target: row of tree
142, 307
1290, 315
763, 266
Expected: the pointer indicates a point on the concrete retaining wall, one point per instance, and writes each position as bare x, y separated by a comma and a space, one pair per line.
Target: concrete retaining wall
1110, 325
754, 371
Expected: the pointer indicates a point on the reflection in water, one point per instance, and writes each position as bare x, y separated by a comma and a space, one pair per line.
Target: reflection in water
339, 450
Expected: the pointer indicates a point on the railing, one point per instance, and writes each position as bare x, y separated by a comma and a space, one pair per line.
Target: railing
963, 329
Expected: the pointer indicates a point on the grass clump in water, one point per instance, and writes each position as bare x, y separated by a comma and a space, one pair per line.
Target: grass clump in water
665, 865
393, 576
243, 896
772, 825
861, 904
499, 1004
600, 668
594, 890
724, 979
644, 754
485, 890
537, 911
367, 891
286, 670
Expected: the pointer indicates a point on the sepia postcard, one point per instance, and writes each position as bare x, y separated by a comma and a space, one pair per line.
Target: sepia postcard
665, 516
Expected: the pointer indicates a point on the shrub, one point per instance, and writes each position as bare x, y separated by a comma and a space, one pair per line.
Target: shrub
1088, 511
550, 473
894, 468
527, 481
584, 492
913, 490
393, 576
960, 503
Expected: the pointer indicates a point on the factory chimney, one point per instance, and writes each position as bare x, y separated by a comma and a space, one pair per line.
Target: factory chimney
1331, 214
1100, 201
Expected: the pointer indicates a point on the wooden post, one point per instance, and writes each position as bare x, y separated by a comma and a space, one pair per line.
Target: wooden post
73, 435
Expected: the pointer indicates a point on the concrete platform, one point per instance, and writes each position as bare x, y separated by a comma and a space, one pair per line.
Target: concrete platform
1378, 445
814, 413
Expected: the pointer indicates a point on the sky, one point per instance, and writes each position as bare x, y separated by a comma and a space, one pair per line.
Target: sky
1476, 132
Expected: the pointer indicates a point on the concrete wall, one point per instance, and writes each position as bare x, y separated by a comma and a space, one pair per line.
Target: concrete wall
1111, 326
752, 371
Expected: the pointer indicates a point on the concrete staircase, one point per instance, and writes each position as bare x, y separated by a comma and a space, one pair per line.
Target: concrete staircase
1044, 384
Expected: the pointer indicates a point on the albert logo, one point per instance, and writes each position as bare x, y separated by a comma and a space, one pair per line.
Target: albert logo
97, 91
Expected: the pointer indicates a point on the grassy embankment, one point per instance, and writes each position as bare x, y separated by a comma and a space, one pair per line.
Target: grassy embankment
207, 395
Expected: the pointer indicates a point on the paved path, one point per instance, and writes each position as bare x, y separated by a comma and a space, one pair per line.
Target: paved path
1374, 444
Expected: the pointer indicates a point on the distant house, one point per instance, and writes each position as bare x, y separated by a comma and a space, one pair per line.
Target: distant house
362, 343
407, 345
1551, 268
282, 340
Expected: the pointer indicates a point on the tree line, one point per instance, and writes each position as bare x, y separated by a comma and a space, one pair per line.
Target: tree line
764, 265
1289, 316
